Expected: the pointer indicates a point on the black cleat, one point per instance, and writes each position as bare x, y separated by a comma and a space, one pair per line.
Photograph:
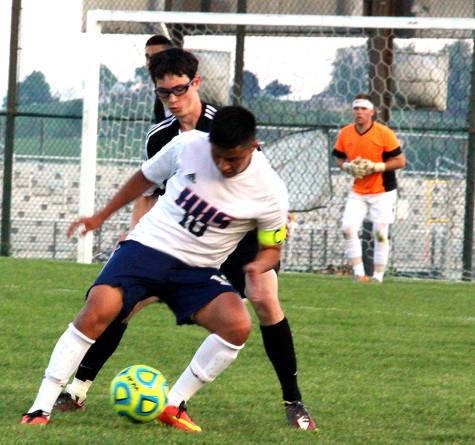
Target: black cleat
66, 402
298, 416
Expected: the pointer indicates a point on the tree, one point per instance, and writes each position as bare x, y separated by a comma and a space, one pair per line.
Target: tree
108, 78
458, 87
34, 90
250, 87
142, 74
350, 73
275, 88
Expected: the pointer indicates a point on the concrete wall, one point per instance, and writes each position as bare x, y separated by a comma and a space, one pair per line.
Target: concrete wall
426, 238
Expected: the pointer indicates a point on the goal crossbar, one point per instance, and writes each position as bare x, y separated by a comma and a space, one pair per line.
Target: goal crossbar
217, 18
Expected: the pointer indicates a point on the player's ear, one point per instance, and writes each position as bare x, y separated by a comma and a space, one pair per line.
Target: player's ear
253, 145
197, 81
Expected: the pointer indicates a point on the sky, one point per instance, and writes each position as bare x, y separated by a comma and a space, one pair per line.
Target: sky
51, 42
55, 46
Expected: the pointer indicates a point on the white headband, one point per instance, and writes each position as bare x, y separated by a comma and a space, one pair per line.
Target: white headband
363, 103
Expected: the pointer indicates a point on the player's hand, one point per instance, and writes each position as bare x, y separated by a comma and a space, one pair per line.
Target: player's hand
353, 168
365, 167
86, 224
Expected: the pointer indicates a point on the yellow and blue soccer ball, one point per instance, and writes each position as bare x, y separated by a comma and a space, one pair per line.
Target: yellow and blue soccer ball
139, 393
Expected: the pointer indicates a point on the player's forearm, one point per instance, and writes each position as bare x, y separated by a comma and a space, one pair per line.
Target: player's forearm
395, 163
132, 189
141, 206
267, 258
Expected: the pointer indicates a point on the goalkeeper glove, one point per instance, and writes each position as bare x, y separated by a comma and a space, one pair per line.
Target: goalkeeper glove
366, 167
351, 168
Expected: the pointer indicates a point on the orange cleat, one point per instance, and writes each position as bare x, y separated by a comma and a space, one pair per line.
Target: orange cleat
178, 418
361, 278
37, 417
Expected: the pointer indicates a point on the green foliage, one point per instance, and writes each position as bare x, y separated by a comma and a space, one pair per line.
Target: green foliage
350, 73
142, 73
275, 88
35, 90
460, 61
108, 78
378, 365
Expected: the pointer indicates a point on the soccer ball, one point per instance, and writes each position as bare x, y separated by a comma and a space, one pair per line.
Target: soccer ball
139, 393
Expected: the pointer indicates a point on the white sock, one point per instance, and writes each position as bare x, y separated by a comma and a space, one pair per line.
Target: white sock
211, 359
358, 269
378, 276
67, 354
353, 245
78, 389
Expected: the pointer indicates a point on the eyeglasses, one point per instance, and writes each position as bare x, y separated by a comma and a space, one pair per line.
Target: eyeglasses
177, 90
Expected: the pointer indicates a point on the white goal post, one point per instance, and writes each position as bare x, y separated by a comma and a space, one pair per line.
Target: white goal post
301, 25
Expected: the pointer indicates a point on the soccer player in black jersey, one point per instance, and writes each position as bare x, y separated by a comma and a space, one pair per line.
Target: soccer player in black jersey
154, 45
174, 73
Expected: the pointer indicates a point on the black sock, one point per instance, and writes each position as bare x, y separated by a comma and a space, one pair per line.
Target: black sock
279, 346
100, 351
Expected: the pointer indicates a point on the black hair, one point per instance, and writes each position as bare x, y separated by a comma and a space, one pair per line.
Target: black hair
175, 61
232, 126
159, 39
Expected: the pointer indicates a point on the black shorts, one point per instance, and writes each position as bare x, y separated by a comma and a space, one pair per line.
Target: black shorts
142, 272
244, 253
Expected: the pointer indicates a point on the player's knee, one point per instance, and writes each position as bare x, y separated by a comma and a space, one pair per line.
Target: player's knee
102, 307
380, 236
381, 233
268, 310
349, 232
237, 331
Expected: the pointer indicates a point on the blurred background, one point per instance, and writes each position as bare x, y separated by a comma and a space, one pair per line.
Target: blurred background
298, 80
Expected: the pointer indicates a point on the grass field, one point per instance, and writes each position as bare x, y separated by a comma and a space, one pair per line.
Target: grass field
390, 364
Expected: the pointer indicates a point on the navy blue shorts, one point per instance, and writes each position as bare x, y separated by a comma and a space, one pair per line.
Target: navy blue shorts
142, 272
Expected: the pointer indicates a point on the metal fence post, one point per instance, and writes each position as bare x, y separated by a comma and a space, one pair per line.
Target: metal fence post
10, 130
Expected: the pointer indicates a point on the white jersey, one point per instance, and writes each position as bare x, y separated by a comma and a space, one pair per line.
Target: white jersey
203, 215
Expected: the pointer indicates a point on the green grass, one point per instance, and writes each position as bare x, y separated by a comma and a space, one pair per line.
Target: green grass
390, 364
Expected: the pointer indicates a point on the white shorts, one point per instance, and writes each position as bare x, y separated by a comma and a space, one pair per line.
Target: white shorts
377, 208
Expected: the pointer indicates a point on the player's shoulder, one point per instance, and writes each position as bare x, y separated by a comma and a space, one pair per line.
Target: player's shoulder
381, 128
207, 115
164, 127
348, 128
160, 134
210, 110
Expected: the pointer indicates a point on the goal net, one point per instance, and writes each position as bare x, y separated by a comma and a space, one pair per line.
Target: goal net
298, 74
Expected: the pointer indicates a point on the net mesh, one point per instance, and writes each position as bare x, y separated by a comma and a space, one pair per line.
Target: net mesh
299, 82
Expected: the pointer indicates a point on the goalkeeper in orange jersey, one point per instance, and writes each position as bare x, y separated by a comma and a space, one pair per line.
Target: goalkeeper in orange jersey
371, 153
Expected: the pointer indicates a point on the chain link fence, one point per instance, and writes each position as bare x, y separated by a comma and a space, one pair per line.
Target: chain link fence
299, 82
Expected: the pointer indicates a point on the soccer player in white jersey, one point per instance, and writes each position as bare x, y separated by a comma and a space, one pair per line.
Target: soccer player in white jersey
218, 188
175, 73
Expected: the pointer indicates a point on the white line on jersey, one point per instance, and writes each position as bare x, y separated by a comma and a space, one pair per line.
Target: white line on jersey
161, 126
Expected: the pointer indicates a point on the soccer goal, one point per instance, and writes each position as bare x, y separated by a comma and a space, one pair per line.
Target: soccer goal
298, 75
